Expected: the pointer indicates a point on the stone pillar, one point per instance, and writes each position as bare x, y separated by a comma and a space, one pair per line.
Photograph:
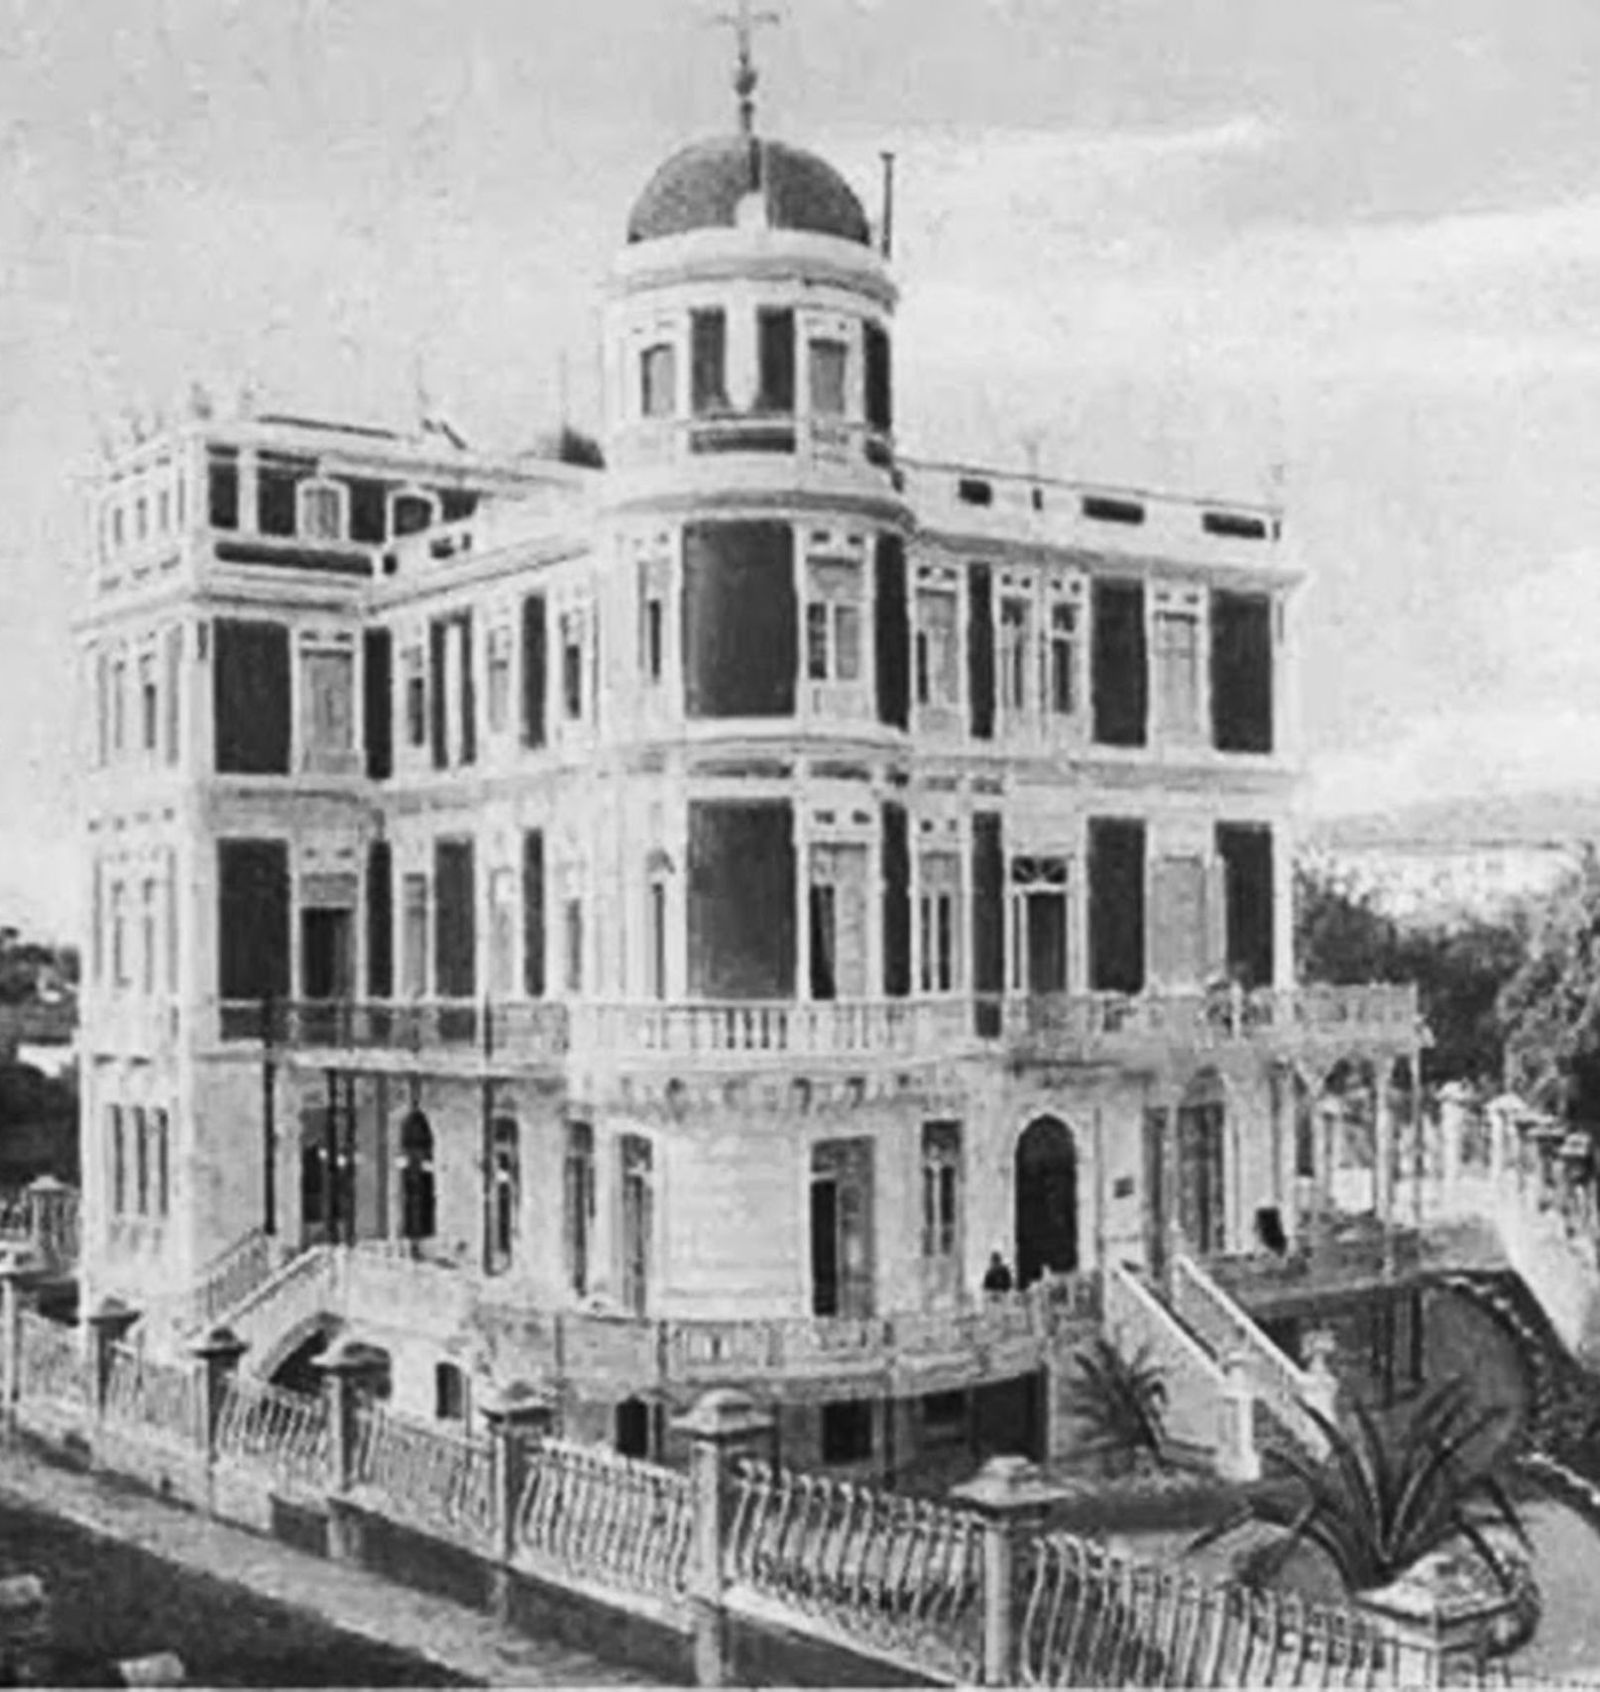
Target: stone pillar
1331, 1120
1237, 1457
1324, 1384
1382, 1148
218, 1353
722, 1426
13, 1270
347, 1365
1012, 1495
1452, 1132
520, 1418
108, 1325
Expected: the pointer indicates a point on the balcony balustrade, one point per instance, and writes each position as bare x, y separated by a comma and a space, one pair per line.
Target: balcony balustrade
826, 444
1060, 1028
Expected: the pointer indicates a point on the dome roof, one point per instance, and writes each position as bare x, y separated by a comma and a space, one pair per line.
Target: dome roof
702, 186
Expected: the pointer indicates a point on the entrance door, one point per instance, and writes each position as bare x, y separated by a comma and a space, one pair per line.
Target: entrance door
1047, 942
1046, 1200
1202, 1169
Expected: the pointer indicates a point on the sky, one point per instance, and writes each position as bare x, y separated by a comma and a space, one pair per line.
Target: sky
1347, 249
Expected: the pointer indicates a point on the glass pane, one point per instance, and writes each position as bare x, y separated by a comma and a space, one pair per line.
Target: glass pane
829, 365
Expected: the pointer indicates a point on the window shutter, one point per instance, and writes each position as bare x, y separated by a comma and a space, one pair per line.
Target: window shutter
455, 927
777, 358
252, 920
535, 667
438, 636
378, 702
988, 920
533, 913
469, 695
1116, 906
380, 920
892, 634
980, 651
1121, 664
250, 698
896, 902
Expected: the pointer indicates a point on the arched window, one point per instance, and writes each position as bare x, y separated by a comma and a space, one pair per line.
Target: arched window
417, 1217
507, 1190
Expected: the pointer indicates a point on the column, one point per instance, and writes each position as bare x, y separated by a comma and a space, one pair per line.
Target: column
1012, 1495
1382, 1145
347, 1367
13, 1264
219, 1353
722, 1426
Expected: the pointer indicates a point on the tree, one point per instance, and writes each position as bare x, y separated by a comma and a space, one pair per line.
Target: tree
1343, 939
1389, 1494
1122, 1401
1550, 1008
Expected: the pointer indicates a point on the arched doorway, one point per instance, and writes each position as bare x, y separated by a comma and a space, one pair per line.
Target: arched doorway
417, 1219
1046, 1200
1203, 1164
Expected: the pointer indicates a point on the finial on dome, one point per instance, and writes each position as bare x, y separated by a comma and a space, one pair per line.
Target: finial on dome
744, 23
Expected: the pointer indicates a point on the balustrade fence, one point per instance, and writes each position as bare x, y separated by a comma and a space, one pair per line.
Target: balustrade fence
896, 1581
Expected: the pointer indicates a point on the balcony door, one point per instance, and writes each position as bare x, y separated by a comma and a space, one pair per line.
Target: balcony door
841, 1228
327, 964
1203, 1166
1046, 1200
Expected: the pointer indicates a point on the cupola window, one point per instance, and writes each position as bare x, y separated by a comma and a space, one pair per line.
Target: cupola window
708, 334
658, 380
830, 364
322, 511
775, 339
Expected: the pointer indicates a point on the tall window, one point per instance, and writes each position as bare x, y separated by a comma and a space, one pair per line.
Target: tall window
160, 1134
637, 1223
222, 471
775, 359
578, 1204
941, 1191
414, 935
572, 664
833, 622
656, 937
503, 934
708, 337
499, 679
321, 512
1014, 655
141, 1162
572, 926
149, 710
328, 680
119, 704
1063, 660
830, 365
937, 657
119, 1161
119, 935
658, 380
936, 909
147, 936
102, 701
507, 1189
1178, 673
416, 686
652, 628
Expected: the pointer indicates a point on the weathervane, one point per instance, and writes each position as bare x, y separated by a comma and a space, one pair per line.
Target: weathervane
744, 23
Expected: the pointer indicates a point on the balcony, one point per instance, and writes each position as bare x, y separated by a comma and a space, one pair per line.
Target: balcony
507, 1036
828, 446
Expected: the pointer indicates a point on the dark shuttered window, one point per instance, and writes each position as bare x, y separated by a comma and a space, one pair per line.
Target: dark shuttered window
741, 887
893, 634
708, 361
535, 668
980, 651
378, 702
775, 351
988, 920
250, 697
1245, 850
880, 379
533, 913
1116, 905
252, 920
380, 920
455, 939
1241, 672
896, 902
438, 700
740, 651
1121, 680
469, 692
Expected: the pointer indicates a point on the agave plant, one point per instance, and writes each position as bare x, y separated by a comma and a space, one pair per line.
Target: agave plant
1121, 1400
1387, 1495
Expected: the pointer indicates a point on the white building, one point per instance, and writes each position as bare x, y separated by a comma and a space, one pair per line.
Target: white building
724, 897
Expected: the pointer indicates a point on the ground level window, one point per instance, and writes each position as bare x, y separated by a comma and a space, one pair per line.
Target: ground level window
449, 1393
633, 1428
847, 1431
944, 1413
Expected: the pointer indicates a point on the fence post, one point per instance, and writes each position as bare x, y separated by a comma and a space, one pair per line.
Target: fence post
1237, 1457
13, 1270
218, 1354
346, 1365
721, 1426
108, 1326
520, 1418
1012, 1495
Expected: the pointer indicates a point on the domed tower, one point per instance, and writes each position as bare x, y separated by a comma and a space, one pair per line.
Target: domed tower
754, 501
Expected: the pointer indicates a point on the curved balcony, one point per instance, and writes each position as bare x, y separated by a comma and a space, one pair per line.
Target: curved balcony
753, 448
